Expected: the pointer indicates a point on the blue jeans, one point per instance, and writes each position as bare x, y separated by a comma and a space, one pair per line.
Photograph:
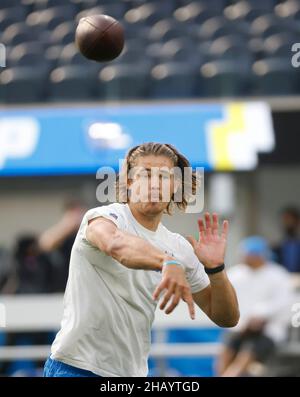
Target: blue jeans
56, 369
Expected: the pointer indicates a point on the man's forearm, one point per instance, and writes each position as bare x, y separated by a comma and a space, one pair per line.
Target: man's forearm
224, 310
135, 252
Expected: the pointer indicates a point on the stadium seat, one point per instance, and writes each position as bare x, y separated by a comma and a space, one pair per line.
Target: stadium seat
154, 51
268, 25
220, 26
131, 55
52, 54
9, 16
63, 34
148, 14
248, 10
131, 29
69, 55
274, 76
137, 42
229, 47
288, 8
194, 12
176, 50
123, 81
256, 47
28, 55
214, 5
23, 84
50, 18
279, 45
202, 48
172, 80
166, 29
222, 78
72, 82
17, 33
165, 7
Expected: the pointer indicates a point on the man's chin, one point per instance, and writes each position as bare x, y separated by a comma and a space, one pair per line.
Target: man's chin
156, 206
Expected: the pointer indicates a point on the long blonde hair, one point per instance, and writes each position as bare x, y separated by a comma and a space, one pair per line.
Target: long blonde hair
158, 149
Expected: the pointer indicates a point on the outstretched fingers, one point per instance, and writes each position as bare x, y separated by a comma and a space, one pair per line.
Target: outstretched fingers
215, 227
211, 226
171, 290
208, 224
225, 229
174, 293
159, 289
201, 227
188, 298
175, 300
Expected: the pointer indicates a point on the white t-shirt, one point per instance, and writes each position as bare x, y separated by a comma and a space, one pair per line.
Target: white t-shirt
265, 292
108, 308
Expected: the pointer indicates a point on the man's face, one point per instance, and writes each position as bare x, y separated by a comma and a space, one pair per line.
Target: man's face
290, 223
151, 183
253, 261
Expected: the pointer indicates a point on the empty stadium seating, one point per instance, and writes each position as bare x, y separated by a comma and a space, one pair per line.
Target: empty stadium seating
174, 48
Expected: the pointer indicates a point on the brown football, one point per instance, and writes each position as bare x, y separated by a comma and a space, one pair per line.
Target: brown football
100, 37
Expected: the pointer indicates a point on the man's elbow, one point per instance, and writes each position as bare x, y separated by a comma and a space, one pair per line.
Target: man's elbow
229, 322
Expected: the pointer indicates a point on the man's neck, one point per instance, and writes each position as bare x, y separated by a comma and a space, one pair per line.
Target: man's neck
149, 222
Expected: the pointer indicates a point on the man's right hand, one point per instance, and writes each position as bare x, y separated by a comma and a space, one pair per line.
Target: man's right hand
175, 283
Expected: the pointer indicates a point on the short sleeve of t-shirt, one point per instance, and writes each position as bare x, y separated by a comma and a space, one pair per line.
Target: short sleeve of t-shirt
112, 212
195, 274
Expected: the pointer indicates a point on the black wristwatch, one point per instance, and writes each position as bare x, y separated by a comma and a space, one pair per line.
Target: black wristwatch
215, 269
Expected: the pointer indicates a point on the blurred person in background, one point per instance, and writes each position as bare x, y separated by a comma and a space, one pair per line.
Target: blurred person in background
287, 252
30, 273
5, 261
31, 270
58, 240
265, 294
